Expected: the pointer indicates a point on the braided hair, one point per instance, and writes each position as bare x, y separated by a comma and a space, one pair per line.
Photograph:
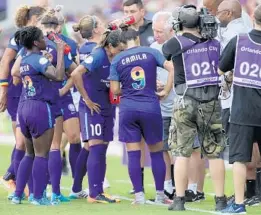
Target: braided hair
27, 35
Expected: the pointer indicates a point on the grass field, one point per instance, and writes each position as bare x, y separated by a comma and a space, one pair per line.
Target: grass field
118, 177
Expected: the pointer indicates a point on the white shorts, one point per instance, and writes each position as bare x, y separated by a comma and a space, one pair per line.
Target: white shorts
76, 99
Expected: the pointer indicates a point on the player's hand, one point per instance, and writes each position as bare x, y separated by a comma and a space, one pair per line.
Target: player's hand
16, 80
162, 94
60, 44
61, 92
93, 106
160, 86
3, 100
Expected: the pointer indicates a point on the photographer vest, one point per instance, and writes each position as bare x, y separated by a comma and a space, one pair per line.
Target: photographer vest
200, 61
247, 64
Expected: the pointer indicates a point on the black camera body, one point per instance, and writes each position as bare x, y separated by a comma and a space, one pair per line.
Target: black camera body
207, 23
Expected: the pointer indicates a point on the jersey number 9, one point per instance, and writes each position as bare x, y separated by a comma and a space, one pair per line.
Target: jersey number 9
138, 75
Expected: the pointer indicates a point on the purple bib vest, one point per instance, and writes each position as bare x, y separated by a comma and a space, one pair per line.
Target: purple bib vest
200, 62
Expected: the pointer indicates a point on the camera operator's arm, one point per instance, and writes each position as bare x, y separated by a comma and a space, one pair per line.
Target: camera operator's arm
227, 59
171, 48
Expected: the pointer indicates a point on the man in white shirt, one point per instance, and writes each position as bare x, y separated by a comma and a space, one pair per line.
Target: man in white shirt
162, 29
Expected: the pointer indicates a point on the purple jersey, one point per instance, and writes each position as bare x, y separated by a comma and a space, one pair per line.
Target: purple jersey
96, 82
13, 91
86, 49
36, 86
247, 64
136, 69
200, 62
71, 43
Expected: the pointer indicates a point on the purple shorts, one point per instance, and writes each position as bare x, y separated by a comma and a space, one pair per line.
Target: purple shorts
98, 126
66, 108
35, 117
12, 105
135, 124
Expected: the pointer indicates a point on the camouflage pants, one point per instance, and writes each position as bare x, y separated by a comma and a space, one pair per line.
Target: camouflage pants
191, 118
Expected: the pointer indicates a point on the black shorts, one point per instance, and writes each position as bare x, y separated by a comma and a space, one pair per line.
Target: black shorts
225, 119
242, 138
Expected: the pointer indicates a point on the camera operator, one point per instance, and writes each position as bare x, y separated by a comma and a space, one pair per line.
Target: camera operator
195, 57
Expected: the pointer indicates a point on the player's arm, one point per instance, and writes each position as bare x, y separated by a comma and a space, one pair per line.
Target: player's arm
69, 83
114, 79
15, 72
227, 59
78, 81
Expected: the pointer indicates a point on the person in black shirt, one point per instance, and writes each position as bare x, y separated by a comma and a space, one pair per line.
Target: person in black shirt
243, 56
196, 108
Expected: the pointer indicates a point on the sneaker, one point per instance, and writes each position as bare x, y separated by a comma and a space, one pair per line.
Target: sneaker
56, 199
80, 195
221, 203
190, 196
100, 199
8, 176
234, 209
31, 198
110, 197
254, 201
178, 204
139, 199
169, 195
9, 185
200, 197
16, 200
42, 201
231, 199
12, 195
132, 192
161, 198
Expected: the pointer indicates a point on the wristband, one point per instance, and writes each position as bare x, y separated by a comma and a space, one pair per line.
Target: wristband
4, 82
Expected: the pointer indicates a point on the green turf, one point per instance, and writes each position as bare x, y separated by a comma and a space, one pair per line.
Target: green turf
116, 174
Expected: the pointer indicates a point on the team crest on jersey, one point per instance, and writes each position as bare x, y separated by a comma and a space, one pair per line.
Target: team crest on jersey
71, 107
43, 61
150, 39
13, 43
89, 59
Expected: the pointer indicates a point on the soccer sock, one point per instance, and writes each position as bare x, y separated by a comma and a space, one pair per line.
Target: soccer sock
94, 166
40, 169
30, 183
18, 156
158, 169
172, 175
134, 169
11, 167
142, 177
258, 182
250, 188
193, 187
168, 186
80, 171
55, 170
75, 149
103, 166
23, 174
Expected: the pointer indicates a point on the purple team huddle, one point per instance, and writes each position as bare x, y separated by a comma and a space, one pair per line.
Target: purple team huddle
42, 69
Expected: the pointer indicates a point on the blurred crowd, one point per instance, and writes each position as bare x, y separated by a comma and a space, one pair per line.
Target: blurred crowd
113, 10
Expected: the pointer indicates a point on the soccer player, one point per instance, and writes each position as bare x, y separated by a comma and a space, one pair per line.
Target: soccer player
140, 114
96, 115
10, 93
91, 28
36, 72
66, 115
242, 55
196, 107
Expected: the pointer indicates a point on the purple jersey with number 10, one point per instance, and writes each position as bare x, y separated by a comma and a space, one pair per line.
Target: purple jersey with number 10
247, 65
200, 62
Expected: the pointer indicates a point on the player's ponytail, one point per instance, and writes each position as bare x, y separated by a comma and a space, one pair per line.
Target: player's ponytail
85, 26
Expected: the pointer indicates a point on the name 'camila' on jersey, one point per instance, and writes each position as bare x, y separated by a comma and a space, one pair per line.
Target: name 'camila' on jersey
133, 58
